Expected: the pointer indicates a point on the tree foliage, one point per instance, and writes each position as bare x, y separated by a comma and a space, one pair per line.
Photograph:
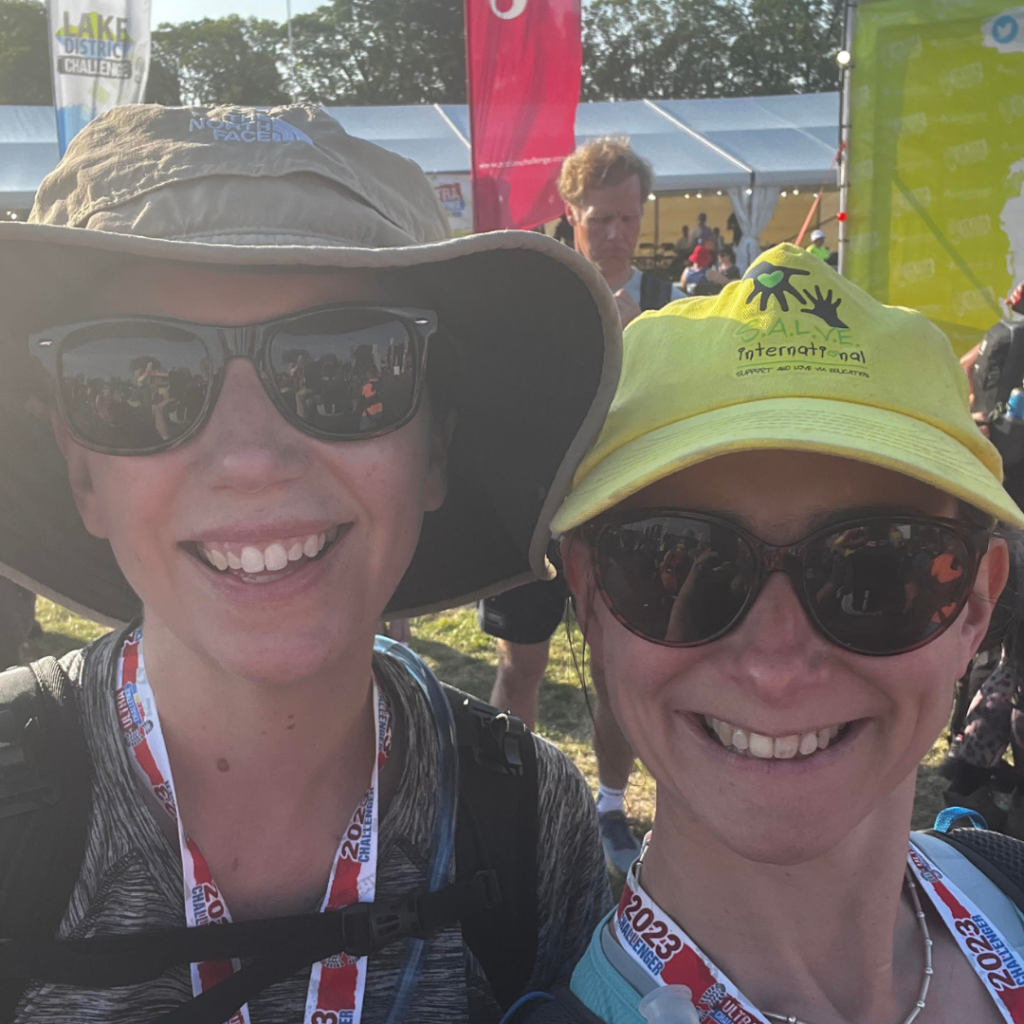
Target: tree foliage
223, 60
355, 52
380, 51
24, 53
695, 48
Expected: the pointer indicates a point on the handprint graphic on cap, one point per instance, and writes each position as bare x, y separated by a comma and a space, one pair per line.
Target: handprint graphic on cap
770, 280
824, 307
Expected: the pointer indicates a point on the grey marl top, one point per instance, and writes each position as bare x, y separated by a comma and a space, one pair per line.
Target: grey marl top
131, 878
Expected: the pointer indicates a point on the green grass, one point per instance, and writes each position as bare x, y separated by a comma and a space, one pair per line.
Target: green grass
463, 656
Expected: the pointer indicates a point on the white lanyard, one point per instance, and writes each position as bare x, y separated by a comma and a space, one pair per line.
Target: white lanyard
994, 962
670, 957
336, 985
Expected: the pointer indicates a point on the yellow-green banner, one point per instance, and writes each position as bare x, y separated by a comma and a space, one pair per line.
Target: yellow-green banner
936, 172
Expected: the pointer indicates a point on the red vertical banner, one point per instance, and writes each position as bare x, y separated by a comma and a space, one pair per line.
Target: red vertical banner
523, 61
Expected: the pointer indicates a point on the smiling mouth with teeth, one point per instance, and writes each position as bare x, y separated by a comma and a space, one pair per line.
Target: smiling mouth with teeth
781, 748
266, 561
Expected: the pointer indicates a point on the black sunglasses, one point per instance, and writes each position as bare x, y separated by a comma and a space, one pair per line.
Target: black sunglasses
141, 385
879, 585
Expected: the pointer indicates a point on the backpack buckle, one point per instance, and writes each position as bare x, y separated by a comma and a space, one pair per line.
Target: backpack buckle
496, 738
508, 732
369, 927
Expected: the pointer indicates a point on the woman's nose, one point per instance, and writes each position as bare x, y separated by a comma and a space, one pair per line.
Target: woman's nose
780, 652
248, 445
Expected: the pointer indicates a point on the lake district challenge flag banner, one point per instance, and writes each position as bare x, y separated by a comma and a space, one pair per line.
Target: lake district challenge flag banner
523, 61
936, 203
99, 54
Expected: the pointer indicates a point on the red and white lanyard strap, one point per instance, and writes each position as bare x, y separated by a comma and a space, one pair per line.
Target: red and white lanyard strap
671, 957
336, 985
996, 964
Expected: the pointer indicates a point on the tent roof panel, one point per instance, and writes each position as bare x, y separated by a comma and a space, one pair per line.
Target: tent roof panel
27, 124
680, 160
418, 132
458, 114
28, 152
783, 156
787, 140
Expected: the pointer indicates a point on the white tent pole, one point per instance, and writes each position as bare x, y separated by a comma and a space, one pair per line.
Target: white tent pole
682, 125
849, 17
452, 125
291, 53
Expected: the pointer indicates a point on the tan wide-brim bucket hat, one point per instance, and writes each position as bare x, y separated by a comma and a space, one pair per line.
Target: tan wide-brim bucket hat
534, 327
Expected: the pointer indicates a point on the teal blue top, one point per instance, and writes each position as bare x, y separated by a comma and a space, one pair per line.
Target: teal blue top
603, 990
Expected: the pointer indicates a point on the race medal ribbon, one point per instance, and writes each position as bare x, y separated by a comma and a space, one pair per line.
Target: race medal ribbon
671, 957
336, 985
995, 963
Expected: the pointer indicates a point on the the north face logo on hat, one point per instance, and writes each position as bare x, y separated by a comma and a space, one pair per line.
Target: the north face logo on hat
241, 127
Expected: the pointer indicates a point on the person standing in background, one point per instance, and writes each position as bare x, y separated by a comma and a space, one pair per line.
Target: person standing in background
818, 247
703, 234
604, 185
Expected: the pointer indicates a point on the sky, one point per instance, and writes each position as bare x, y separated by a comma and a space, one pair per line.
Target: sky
192, 10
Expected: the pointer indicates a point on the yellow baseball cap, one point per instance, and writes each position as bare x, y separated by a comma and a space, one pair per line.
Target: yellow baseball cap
792, 356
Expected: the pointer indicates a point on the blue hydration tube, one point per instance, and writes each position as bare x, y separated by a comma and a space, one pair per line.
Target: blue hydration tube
442, 847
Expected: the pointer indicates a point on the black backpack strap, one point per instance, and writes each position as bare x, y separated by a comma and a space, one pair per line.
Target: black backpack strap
655, 291
557, 1007
45, 801
999, 857
497, 829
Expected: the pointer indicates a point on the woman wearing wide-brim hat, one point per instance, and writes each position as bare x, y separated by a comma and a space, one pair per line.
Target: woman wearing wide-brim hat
254, 393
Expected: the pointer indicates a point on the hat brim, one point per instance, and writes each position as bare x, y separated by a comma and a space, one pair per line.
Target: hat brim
876, 436
538, 350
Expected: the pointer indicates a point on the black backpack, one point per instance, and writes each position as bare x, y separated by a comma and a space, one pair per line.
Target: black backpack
1000, 858
45, 804
999, 369
655, 291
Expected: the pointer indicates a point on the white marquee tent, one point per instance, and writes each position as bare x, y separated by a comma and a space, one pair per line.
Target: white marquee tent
740, 144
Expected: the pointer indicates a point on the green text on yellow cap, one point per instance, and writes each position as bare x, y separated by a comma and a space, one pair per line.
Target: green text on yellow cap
792, 356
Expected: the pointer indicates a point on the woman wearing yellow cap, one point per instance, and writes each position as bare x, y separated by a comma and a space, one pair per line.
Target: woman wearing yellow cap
782, 550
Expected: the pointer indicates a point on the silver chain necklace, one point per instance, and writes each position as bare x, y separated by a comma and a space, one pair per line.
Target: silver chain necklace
923, 925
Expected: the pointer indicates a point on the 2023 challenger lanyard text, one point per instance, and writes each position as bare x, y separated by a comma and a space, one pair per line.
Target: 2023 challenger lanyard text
336, 985
671, 957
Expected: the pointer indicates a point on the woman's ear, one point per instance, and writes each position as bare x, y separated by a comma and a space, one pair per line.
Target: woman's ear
80, 478
974, 621
578, 569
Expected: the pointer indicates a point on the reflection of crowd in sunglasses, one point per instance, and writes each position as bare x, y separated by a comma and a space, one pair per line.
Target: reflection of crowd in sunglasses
154, 402
681, 564
347, 395
863, 572
906, 571
147, 398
